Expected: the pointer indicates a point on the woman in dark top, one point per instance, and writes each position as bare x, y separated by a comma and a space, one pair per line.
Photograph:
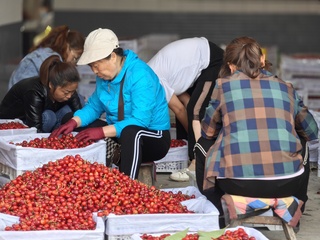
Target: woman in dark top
39, 101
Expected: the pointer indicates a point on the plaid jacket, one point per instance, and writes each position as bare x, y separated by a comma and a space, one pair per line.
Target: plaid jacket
257, 124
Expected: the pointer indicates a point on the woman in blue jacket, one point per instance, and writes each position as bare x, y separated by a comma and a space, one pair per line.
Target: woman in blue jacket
144, 131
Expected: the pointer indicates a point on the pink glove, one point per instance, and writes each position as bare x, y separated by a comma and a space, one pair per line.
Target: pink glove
90, 134
65, 128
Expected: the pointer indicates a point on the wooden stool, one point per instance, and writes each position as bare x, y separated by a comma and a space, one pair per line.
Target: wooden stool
258, 220
267, 220
147, 173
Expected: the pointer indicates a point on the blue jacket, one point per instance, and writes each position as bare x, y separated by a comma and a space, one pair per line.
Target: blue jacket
144, 98
30, 65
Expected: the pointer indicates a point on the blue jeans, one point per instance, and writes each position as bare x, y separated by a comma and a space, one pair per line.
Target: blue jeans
52, 120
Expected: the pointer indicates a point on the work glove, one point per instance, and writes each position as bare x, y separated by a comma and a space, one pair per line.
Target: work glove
64, 129
90, 134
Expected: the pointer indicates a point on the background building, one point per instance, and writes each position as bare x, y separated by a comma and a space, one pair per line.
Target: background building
282, 26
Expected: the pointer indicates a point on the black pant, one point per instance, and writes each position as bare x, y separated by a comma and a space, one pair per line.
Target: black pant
213, 194
139, 145
297, 186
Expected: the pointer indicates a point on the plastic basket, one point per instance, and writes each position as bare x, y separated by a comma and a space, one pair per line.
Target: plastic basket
171, 166
176, 159
206, 217
250, 231
27, 158
8, 132
9, 171
97, 234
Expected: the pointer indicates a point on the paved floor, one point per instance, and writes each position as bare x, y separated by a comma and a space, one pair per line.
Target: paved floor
310, 221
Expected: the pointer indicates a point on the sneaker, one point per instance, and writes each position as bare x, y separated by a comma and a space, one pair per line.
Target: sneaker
180, 176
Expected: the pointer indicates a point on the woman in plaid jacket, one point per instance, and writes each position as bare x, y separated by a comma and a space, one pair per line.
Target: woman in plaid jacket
253, 130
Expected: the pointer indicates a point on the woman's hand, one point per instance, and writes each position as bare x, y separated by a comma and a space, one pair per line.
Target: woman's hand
90, 134
65, 128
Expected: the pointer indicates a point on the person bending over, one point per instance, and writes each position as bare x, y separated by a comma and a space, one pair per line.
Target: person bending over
43, 101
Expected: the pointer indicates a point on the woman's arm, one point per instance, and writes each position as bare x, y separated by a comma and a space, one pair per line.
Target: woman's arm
179, 110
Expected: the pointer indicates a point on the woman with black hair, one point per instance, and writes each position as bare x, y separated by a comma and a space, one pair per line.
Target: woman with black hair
42, 101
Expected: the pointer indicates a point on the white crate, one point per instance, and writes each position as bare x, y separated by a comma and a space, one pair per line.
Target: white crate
12, 173
171, 166
176, 159
205, 218
96, 234
27, 158
9, 132
250, 231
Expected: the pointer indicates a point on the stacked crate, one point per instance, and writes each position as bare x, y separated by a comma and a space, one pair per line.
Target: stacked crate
303, 71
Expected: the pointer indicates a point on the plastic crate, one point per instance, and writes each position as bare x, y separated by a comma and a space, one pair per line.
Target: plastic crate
20, 158
171, 166
176, 159
10, 172
250, 231
96, 234
206, 217
9, 132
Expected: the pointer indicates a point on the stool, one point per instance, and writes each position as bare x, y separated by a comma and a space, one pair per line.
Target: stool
267, 220
257, 220
147, 173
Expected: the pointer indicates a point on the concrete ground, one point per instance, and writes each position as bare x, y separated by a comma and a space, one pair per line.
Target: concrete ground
309, 223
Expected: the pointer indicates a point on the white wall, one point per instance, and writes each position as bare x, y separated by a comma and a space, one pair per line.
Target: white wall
239, 6
10, 11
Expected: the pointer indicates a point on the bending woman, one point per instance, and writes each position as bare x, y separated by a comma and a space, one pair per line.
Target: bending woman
41, 101
256, 123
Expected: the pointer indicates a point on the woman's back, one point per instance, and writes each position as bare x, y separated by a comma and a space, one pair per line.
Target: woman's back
259, 137
29, 66
61, 41
179, 63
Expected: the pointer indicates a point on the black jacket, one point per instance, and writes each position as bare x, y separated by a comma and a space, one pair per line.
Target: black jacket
28, 99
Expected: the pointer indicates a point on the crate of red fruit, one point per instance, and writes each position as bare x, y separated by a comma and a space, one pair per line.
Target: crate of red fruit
15, 126
90, 234
176, 158
238, 233
57, 201
27, 152
198, 214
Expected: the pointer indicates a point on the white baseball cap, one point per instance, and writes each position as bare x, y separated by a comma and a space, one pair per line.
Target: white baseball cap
99, 44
